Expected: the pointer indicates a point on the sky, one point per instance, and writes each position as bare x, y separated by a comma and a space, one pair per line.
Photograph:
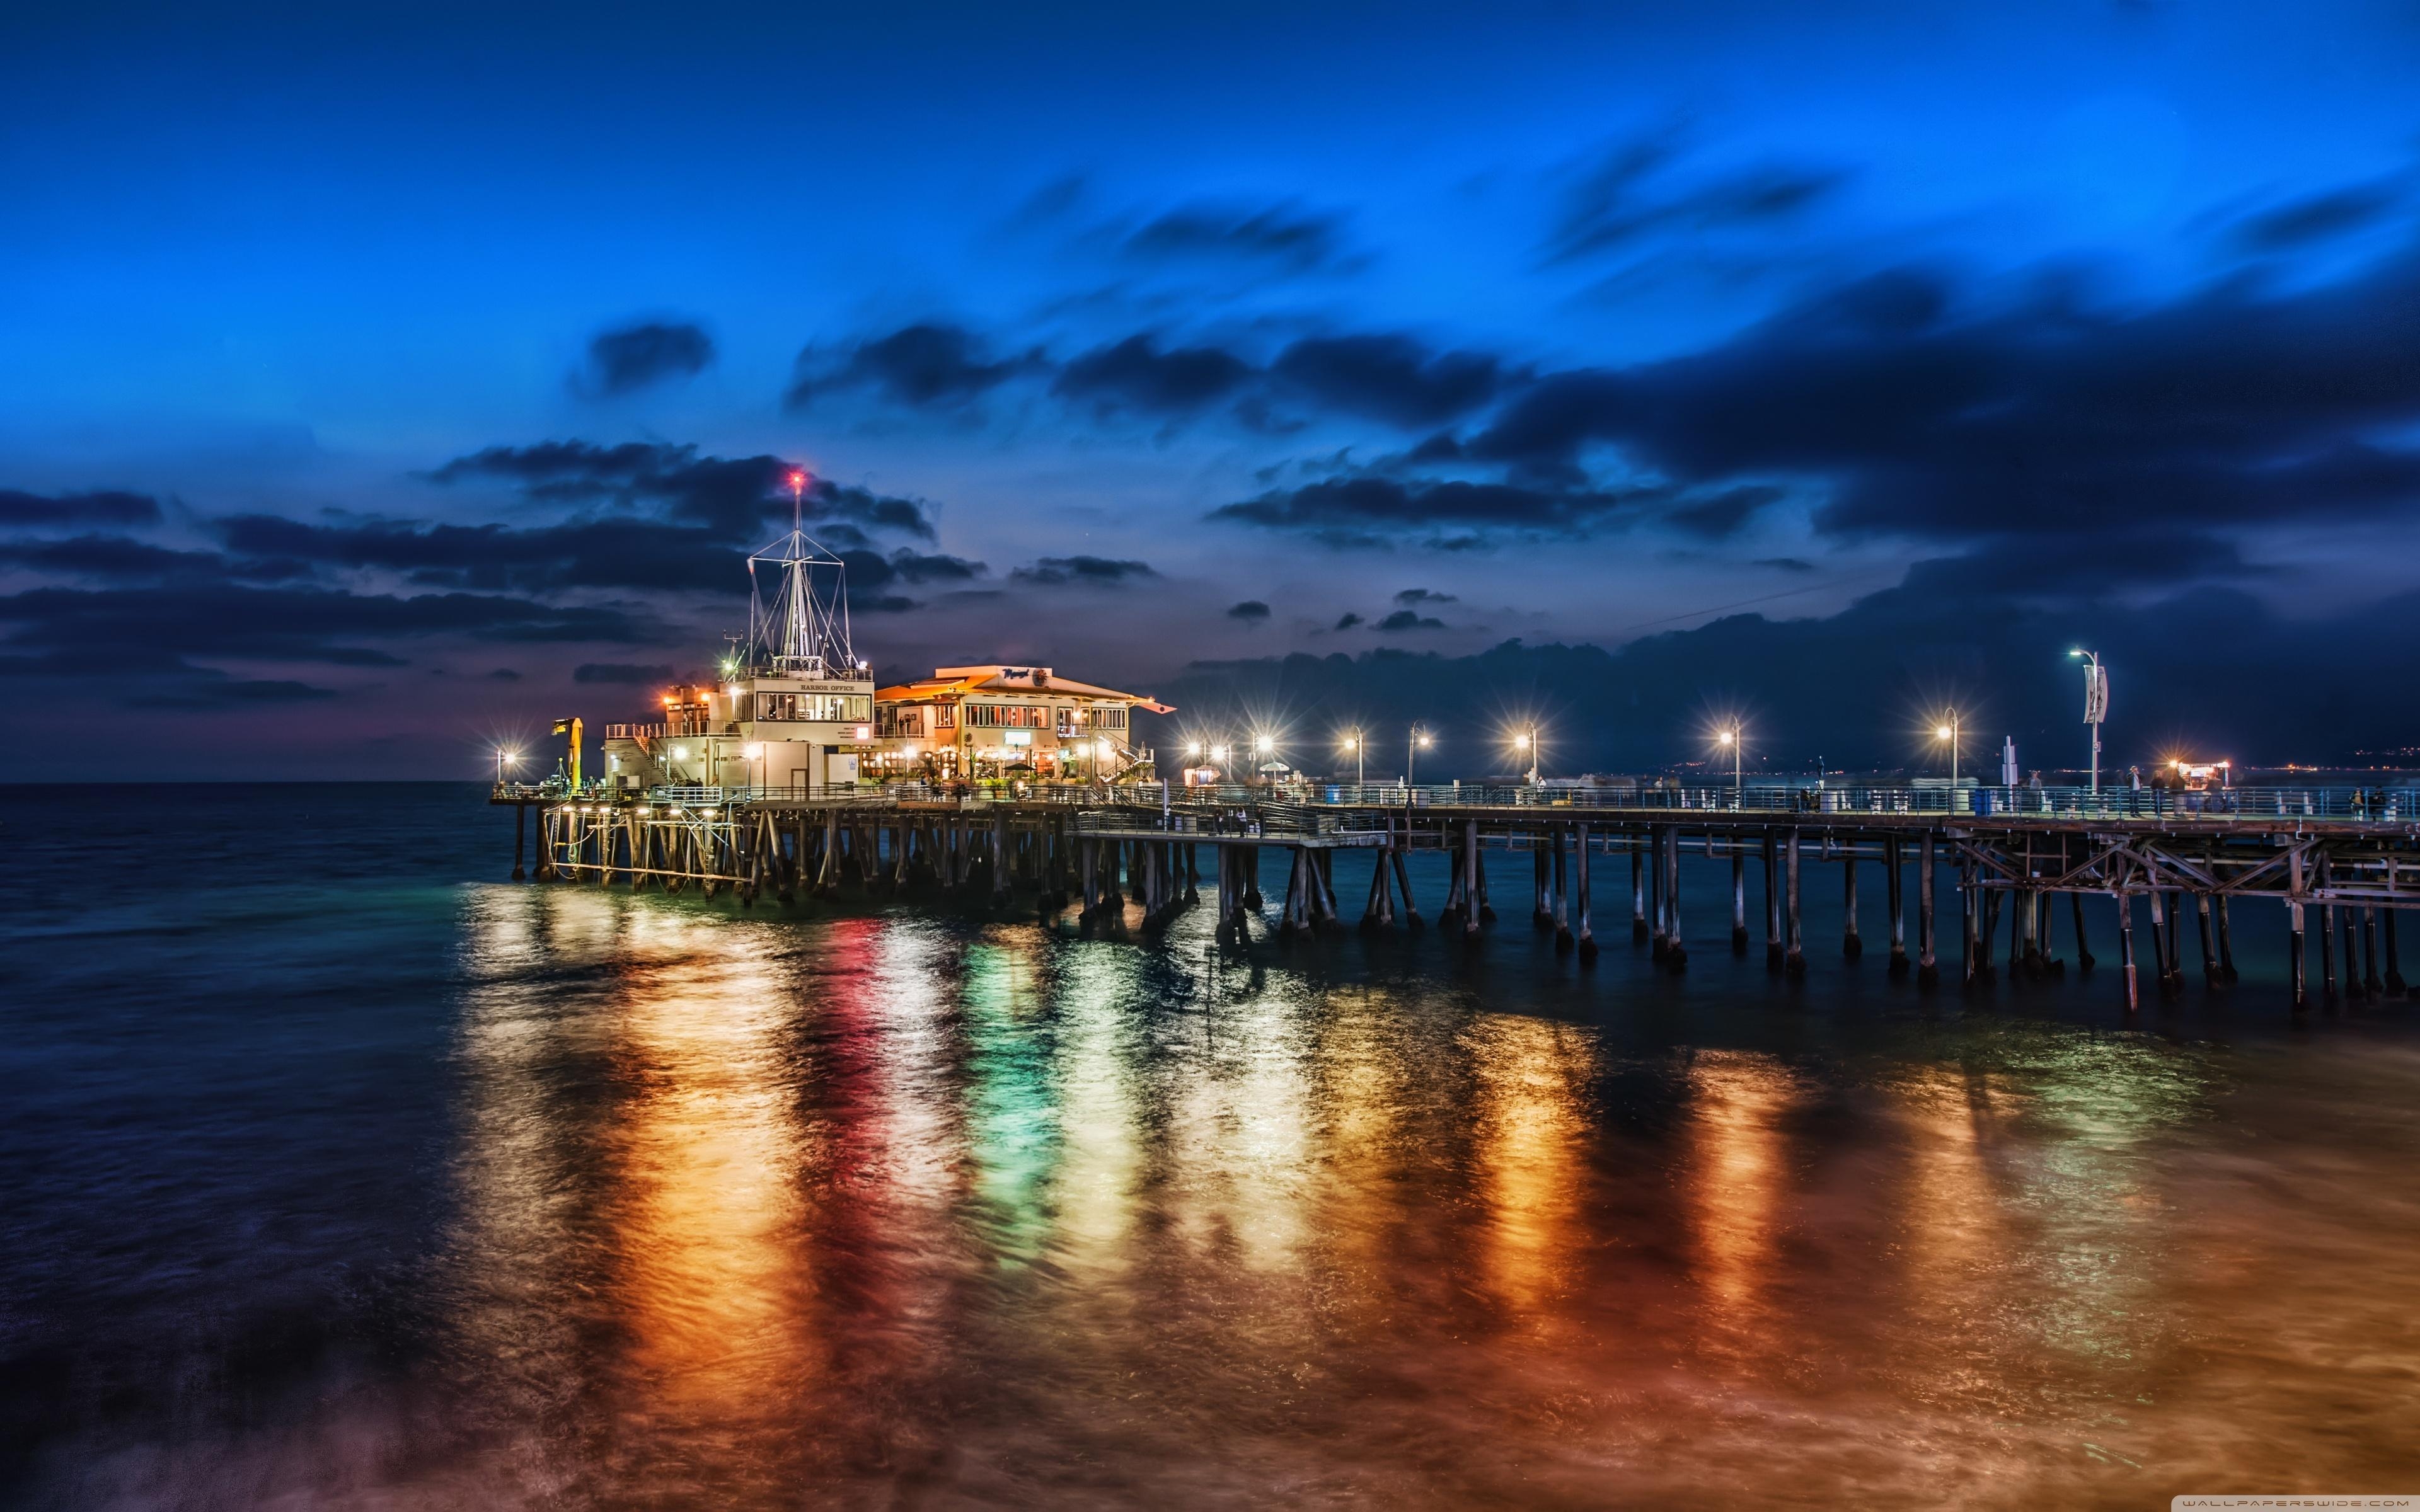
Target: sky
377, 383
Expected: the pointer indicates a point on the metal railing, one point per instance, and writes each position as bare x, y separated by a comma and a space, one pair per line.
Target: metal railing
1287, 807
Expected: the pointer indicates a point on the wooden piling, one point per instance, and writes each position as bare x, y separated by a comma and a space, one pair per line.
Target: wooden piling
1772, 951
1850, 946
2126, 947
1927, 971
1676, 955
1795, 960
1895, 893
1637, 891
2209, 975
2297, 983
1580, 920
1967, 902
1739, 898
1564, 939
521, 831
1473, 908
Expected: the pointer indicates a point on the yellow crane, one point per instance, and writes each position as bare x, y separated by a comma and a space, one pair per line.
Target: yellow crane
569, 725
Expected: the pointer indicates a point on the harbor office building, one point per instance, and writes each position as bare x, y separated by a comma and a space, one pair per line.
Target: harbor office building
972, 722
762, 729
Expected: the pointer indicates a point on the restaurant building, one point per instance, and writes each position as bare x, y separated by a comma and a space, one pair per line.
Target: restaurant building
966, 723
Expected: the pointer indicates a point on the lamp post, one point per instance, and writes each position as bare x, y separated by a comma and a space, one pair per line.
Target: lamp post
1354, 744
2096, 704
1729, 735
1949, 733
504, 759
1527, 742
1219, 759
1414, 744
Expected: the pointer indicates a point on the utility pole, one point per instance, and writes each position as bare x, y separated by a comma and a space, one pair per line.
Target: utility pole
2096, 704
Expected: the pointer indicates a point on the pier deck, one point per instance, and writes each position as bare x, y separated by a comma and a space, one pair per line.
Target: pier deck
2353, 853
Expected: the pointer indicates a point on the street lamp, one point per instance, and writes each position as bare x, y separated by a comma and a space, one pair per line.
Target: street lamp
1949, 733
2096, 703
1264, 747
1527, 743
504, 758
1354, 744
1729, 735
1417, 743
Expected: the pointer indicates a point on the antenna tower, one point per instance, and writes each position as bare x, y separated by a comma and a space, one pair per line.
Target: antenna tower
804, 631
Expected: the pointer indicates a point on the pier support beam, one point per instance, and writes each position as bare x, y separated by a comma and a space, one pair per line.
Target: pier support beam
1773, 953
1676, 955
2209, 975
2395, 985
1895, 893
1564, 939
1580, 920
520, 830
1637, 891
1928, 971
2126, 947
1850, 946
1739, 898
1795, 960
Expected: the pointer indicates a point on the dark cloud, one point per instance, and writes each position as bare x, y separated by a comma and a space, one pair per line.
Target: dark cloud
119, 557
1251, 612
2211, 670
1369, 510
1106, 571
80, 510
733, 496
1347, 621
622, 672
503, 674
202, 691
932, 364
2316, 218
1389, 378
160, 625
1784, 563
1284, 235
1407, 619
1721, 514
1626, 195
1917, 414
629, 358
1413, 596
1135, 374
613, 552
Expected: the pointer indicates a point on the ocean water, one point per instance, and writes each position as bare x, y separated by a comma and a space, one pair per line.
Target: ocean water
338, 1171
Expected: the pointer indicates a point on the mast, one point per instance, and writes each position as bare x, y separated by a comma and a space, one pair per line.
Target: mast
804, 632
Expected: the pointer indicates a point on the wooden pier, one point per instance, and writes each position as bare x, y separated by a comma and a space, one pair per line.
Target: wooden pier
2349, 857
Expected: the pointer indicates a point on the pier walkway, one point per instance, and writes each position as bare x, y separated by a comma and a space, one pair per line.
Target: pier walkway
2351, 854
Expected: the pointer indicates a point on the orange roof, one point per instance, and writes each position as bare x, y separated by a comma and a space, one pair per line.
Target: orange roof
958, 680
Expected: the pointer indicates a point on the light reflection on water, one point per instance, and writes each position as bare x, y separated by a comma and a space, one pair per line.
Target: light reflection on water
761, 1212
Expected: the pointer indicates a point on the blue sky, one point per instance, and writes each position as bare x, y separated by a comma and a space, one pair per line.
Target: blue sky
1938, 336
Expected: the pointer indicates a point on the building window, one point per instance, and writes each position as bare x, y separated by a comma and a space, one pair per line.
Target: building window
945, 716
1006, 716
825, 708
891, 720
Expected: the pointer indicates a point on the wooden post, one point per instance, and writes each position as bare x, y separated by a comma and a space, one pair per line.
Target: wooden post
1404, 880
2160, 942
1472, 905
1739, 898
2083, 951
2327, 939
1895, 892
2354, 990
520, 830
1587, 938
1927, 972
1850, 946
1794, 962
1676, 955
1967, 911
1773, 952
1655, 893
1637, 891
2226, 943
2209, 977
2126, 946
2395, 984
2297, 985
1564, 940
1540, 914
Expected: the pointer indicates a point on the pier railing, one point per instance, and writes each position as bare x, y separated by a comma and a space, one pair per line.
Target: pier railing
2250, 805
